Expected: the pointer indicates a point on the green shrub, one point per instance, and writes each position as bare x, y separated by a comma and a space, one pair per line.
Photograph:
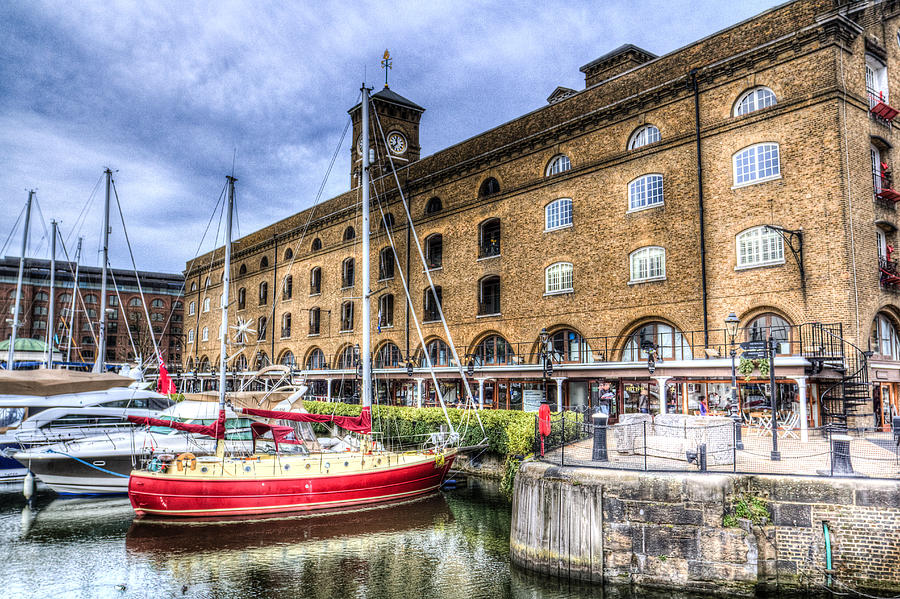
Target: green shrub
747, 507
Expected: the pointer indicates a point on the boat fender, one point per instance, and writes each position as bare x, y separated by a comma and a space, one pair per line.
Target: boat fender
439, 460
185, 461
28, 489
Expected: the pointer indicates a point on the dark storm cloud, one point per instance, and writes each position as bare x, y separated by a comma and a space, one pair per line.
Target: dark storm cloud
168, 93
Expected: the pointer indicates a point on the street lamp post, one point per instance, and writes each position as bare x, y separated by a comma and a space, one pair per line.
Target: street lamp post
731, 327
546, 362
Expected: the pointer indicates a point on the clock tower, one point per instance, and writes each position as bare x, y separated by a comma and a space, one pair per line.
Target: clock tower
399, 122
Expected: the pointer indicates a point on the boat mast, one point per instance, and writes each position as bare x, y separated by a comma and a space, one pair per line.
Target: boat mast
226, 283
74, 296
101, 336
365, 353
51, 315
15, 321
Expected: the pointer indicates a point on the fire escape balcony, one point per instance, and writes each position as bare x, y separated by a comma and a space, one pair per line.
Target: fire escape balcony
890, 274
879, 107
884, 187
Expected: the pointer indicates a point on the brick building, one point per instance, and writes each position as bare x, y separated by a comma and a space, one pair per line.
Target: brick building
127, 323
748, 172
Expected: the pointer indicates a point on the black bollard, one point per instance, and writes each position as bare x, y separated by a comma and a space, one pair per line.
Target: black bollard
600, 453
840, 455
702, 455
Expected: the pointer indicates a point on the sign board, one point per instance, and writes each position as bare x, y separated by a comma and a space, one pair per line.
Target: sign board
755, 345
755, 355
531, 399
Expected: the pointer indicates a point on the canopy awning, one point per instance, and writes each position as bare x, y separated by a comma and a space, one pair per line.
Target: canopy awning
358, 424
45, 382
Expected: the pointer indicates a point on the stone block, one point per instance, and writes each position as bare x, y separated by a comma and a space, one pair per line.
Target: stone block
882, 495
613, 510
733, 546
656, 513
792, 514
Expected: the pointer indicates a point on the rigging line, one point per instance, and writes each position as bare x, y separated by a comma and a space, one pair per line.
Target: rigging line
415, 236
124, 316
46, 236
84, 208
137, 276
12, 231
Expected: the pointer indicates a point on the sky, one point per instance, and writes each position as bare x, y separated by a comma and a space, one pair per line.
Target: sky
170, 95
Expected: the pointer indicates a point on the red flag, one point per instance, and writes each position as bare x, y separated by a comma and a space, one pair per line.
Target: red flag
164, 384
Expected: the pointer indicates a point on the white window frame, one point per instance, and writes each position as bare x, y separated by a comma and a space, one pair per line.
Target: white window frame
558, 209
756, 243
752, 163
206, 304
754, 99
190, 335
205, 335
876, 80
559, 278
192, 309
642, 187
881, 242
875, 156
644, 136
558, 164
640, 267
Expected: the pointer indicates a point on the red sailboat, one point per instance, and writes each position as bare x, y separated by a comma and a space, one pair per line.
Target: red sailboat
267, 483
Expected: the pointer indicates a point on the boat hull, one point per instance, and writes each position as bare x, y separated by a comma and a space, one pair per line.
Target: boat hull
107, 475
185, 494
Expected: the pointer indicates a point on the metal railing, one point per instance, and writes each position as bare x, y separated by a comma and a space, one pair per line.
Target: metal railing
708, 444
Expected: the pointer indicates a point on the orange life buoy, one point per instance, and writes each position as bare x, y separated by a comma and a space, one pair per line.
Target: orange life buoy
186, 460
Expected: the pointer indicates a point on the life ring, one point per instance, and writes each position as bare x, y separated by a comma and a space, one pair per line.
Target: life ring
185, 461
439, 460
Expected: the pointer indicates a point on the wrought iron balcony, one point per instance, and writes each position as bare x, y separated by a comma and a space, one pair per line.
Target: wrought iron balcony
890, 273
879, 107
488, 249
884, 187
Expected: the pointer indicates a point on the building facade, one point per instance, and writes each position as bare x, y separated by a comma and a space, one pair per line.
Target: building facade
128, 335
749, 172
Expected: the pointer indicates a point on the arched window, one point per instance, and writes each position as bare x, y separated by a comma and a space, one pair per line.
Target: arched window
287, 288
431, 302
753, 100
242, 298
567, 345
190, 362
559, 278
206, 285
64, 298
768, 324
489, 296
386, 264
759, 246
558, 214
433, 206
41, 296
205, 336
261, 361
261, 326
348, 273
646, 135
489, 238
387, 221
90, 298
386, 310
193, 286
288, 254
157, 303
349, 233
347, 316
668, 342
884, 338
285, 325
316, 245
240, 363
316, 360
204, 364
348, 358
315, 281
648, 264
263, 293
494, 350
558, 164
264, 263
315, 319
190, 335
434, 250
287, 359
438, 351
242, 271
645, 192
489, 187
205, 304
388, 356
756, 164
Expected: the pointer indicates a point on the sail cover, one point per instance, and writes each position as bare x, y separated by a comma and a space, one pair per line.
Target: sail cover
215, 430
358, 424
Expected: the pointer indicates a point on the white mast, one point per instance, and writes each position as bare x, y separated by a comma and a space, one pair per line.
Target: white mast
15, 321
226, 283
365, 353
74, 296
101, 337
51, 315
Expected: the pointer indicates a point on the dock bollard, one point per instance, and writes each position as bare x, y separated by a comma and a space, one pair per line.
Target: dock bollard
600, 453
840, 454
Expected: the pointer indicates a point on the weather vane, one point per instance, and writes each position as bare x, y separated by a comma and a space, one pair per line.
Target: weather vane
386, 65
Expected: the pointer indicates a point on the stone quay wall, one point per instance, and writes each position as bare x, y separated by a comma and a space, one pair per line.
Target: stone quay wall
666, 530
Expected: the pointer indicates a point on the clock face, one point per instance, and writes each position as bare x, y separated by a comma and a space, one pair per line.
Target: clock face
396, 143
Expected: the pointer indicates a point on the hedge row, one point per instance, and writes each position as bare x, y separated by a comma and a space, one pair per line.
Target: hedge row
508, 432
